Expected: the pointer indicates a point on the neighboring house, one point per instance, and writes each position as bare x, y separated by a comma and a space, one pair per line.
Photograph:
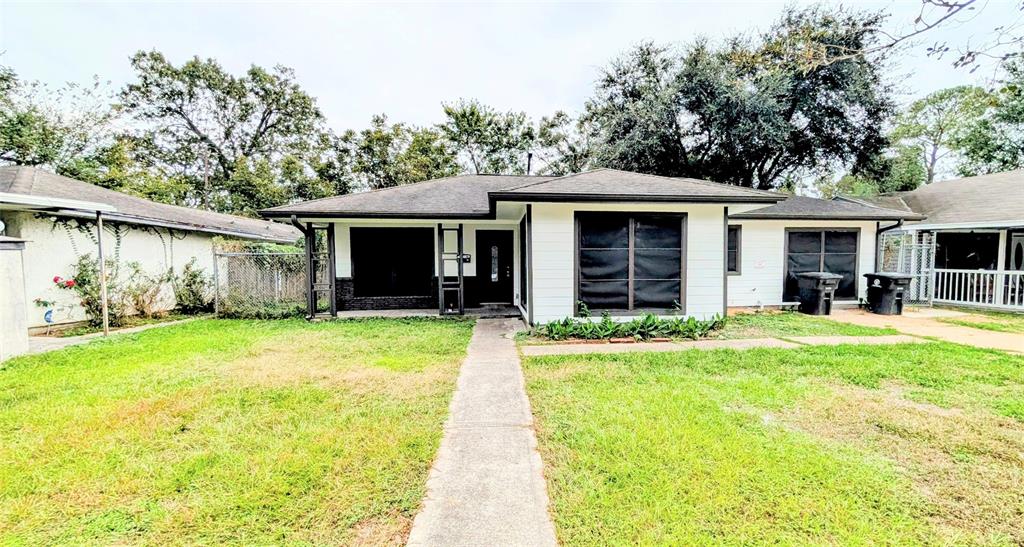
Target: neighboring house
616, 241
56, 215
972, 241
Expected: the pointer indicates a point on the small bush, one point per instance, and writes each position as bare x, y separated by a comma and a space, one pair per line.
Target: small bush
642, 328
143, 291
192, 290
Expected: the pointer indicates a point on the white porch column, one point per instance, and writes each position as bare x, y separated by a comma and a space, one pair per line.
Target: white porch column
14, 311
1000, 279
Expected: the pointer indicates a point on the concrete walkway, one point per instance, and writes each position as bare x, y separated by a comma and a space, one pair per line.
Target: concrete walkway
43, 344
738, 344
486, 486
925, 323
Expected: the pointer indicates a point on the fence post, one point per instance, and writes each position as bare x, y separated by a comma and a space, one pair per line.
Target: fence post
216, 285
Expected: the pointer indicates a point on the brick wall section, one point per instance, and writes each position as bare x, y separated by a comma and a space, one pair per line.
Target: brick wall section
347, 300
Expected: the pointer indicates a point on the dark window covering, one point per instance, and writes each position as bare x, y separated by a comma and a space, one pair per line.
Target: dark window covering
833, 251
392, 261
967, 250
630, 261
733, 250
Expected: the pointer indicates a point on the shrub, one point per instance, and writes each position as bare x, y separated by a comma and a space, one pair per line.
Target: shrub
642, 328
85, 284
192, 290
143, 290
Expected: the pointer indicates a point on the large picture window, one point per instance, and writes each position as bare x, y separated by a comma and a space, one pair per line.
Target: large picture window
630, 261
392, 261
833, 251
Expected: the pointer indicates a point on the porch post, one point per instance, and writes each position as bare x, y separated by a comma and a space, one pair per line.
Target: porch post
1000, 266
332, 269
310, 272
103, 273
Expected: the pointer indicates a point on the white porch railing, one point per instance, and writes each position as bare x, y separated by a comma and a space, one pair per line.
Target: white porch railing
983, 288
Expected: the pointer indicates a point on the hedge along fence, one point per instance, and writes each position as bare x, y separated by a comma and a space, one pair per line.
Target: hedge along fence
259, 284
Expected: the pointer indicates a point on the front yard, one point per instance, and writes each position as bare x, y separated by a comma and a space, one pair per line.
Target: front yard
903, 444
227, 431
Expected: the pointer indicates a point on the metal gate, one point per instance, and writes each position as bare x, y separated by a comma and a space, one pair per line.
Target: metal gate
911, 253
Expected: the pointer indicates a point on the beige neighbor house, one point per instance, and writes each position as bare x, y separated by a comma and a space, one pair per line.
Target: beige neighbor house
615, 241
969, 250
56, 217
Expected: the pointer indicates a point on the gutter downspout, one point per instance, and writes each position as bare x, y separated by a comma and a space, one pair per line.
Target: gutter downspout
878, 239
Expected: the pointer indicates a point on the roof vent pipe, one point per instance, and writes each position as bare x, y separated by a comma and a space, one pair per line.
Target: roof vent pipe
529, 162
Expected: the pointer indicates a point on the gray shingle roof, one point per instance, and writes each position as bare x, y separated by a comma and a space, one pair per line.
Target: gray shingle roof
615, 185
36, 182
995, 198
464, 196
800, 207
893, 202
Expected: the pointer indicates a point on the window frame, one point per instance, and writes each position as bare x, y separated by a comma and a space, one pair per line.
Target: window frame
739, 249
632, 216
856, 261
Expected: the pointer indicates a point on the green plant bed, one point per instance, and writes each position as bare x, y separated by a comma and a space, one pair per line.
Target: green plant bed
642, 328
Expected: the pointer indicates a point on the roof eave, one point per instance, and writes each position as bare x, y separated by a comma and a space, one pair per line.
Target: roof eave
131, 219
613, 198
749, 216
364, 214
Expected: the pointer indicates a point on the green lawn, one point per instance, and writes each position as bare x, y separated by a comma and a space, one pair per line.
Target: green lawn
990, 320
771, 324
241, 432
908, 444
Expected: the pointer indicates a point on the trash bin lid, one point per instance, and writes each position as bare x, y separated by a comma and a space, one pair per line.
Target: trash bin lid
888, 275
819, 275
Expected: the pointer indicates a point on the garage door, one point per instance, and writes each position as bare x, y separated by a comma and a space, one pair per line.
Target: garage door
833, 251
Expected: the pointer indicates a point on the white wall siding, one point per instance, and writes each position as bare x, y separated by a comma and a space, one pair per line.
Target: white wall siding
52, 250
554, 252
762, 258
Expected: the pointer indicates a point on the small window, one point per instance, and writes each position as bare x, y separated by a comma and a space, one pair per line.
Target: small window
733, 250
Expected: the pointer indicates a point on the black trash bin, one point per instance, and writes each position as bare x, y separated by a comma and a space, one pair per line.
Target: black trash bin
816, 291
885, 292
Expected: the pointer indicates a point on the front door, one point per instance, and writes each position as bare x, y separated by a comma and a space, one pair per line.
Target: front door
494, 266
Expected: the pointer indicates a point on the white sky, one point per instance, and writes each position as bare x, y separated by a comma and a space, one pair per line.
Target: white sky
404, 60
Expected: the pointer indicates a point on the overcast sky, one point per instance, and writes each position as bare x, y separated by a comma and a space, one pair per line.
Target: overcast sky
404, 60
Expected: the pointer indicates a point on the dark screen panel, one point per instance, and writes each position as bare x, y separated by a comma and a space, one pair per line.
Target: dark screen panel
605, 295
392, 261
657, 264
805, 242
840, 242
657, 232
655, 294
604, 231
604, 264
846, 266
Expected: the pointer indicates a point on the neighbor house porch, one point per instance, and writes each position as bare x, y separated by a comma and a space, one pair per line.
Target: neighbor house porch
981, 267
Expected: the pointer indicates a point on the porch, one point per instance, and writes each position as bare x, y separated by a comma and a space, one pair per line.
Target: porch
978, 267
414, 268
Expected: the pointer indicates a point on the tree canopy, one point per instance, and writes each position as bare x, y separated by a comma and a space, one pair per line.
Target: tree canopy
747, 112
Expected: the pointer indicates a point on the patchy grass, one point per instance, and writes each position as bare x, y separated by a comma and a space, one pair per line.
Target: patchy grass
916, 443
227, 432
772, 324
989, 320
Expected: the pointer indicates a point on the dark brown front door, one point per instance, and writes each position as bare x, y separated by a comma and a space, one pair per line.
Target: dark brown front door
494, 266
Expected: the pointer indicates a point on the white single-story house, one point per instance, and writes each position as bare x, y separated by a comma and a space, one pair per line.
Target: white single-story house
615, 241
969, 248
56, 217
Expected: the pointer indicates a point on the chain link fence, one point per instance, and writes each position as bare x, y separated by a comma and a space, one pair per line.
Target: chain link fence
259, 284
911, 253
